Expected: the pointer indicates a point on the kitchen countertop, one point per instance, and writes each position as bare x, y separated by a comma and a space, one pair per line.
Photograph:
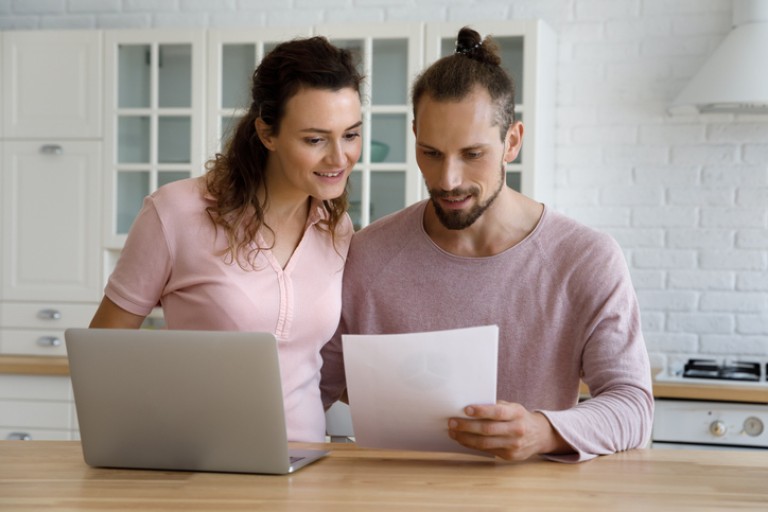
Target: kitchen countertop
46, 365
34, 365
51, 475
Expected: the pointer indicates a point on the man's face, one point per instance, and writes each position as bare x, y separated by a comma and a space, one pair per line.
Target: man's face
461, 155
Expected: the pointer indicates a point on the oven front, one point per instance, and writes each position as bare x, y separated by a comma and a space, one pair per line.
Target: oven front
709, 425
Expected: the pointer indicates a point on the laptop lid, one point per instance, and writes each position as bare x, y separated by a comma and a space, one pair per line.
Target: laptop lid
180, 400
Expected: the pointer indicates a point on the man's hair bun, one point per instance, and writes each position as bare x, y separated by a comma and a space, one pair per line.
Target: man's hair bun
470, 44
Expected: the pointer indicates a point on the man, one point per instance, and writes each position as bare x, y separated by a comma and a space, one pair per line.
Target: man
477, 253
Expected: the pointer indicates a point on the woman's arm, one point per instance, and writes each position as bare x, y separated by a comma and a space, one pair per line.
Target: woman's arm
111, 316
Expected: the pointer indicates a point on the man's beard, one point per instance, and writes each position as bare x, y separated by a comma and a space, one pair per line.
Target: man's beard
456, 219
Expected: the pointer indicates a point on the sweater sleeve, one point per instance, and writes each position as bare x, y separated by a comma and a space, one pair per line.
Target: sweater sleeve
615, 367
333, 380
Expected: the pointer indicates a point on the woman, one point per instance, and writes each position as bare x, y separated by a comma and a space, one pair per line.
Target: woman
259, 242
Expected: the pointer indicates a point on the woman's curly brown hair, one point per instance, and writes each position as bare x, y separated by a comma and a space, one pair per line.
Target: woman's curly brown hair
236, 175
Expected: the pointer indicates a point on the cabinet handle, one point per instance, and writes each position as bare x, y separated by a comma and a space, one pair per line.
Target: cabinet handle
18, 436
51, 149
49, 314
49, 341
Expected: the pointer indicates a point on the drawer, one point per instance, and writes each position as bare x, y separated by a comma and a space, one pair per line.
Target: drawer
32, 342
24, 414
35, 387
40, 315
38, 434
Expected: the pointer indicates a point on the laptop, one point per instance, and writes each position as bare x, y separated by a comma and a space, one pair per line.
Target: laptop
181, 400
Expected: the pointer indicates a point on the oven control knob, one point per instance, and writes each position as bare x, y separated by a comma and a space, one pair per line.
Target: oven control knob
717, 428
753, 426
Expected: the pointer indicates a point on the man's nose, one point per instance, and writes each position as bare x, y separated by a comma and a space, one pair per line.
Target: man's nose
450, 174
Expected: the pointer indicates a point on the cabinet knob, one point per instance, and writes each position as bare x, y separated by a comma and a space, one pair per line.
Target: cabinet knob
51, 149
49, 341
18, 436
49, 314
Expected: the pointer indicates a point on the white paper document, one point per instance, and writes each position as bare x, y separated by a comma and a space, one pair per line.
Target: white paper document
403, 388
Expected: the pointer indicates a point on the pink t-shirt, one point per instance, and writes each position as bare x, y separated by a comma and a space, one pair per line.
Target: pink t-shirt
564, 304
174, 257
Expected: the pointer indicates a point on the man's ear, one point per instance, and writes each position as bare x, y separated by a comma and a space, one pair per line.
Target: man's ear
513, 142
264, 132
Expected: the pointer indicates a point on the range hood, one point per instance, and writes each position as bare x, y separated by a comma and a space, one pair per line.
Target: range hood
735, 78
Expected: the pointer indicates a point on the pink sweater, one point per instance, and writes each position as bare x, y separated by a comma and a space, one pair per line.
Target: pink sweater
174, 257
562, 299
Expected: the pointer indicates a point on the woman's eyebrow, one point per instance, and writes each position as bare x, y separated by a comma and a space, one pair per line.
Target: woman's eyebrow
323, 130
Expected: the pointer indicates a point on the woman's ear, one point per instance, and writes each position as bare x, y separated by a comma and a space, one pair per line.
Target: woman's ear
264, 132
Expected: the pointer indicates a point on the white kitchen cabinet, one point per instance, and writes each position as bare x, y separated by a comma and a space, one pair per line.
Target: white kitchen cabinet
154, 113
37, 407
50, 186
528, 53
386, 179
52, 84
51, 212
50, 209
37, 328
232, 58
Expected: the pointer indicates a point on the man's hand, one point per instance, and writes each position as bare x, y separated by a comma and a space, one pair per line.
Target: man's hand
506, 430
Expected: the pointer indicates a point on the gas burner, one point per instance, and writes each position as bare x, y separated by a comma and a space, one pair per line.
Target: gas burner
748, 371
726, 370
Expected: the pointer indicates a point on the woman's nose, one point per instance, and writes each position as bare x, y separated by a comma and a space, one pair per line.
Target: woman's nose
336, 154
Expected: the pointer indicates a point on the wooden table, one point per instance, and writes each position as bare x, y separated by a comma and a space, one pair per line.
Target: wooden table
51, 475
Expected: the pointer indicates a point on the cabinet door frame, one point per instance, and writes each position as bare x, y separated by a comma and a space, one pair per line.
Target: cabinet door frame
81, 47
217, 38
114, 241
413, 33
84, 282
538, 85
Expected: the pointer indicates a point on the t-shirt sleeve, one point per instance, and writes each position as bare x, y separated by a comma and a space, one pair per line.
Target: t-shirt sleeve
144, 266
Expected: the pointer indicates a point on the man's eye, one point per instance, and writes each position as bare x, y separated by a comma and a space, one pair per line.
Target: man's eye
474, 155
430, 154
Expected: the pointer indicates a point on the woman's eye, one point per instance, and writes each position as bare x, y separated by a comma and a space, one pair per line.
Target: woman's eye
313, 140
352, 135
430, 154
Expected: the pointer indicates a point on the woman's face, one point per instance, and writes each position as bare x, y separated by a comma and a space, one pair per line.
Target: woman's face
318, 143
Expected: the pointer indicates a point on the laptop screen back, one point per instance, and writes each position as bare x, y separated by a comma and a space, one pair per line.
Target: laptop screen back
179, 400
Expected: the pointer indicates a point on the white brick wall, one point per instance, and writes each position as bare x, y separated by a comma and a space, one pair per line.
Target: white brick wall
686, 197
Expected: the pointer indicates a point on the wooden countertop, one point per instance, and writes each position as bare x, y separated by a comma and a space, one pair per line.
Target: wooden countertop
51, 475
34, 365
46, 365
717, 392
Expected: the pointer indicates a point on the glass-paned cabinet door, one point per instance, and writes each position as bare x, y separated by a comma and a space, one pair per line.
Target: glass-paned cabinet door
153, 117
232, 58
386, 178
527, 50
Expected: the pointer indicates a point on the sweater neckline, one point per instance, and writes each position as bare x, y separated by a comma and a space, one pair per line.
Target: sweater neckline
525, 241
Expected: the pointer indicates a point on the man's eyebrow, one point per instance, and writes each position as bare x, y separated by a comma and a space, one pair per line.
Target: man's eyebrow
479, 145
322, 130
